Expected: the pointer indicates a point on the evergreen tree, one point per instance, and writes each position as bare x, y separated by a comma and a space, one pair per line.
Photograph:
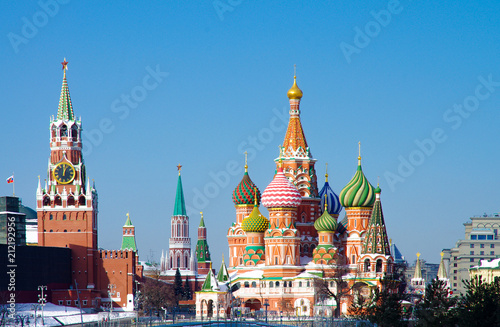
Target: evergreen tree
480, 306
386, 309
188, 295
437, 308
178, 286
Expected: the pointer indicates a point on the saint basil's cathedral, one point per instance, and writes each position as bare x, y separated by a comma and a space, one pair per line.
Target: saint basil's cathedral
274, 261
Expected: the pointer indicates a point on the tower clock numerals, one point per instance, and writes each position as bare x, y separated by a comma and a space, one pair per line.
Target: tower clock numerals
64, 173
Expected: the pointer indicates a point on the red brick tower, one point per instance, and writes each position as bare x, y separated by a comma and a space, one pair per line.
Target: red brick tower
67, 206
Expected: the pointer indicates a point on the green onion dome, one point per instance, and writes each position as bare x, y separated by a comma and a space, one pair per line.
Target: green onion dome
358, 192
325, 223
244, 192
255, 222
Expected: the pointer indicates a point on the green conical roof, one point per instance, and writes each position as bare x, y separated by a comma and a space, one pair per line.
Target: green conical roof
65, 109
202, 222
358, 192
223, 275
180, 205
376, 240
128, 222
210, 284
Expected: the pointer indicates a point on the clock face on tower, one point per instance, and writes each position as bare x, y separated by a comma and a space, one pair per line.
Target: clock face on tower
64, 173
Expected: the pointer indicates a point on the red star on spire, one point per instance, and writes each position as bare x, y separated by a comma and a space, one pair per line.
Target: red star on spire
64, 64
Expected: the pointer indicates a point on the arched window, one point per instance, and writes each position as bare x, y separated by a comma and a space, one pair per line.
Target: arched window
247, 284
64, 130
46, 201
306, 249
300, 284
57, 200
64, 217
254, 284
277, 284
186, 261
178, 262
81, 200
379, 265
270, 284
74, 133
71, 200
367, 265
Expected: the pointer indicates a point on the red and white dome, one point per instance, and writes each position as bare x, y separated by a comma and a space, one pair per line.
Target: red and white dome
280, 193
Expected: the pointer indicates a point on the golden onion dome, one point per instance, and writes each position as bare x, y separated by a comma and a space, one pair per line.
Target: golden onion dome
294, 92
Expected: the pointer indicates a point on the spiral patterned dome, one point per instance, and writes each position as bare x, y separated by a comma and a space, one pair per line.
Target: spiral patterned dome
280, 193
255, 222
326, 223
358, 192
244, 192
332, 199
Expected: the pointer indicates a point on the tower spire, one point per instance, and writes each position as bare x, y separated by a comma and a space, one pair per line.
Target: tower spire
326, 174
65, 108
246, 162
180, 205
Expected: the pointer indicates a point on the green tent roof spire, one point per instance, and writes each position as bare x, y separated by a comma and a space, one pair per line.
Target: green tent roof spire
180, 205
65, 109
128, 240
202, 221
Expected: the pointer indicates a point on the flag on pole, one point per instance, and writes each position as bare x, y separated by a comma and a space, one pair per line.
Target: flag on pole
10, 179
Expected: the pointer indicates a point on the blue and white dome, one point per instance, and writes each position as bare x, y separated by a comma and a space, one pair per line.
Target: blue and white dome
334, 207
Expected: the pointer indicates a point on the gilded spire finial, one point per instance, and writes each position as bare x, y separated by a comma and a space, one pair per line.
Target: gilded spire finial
326, 174
201, 213
128, 215
326, 204
359, 152
294, 92
222, 257
442, 254
255, 196
418, 255
295, 71
179, 168
246, 162
378, 181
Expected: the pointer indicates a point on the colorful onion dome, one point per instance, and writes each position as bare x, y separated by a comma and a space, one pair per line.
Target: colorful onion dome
332, 199
294, 92
280, 193
244, 192
358, 192
255, 222
325, 223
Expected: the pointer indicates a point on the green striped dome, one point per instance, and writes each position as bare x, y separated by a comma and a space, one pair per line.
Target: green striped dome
325, 223
358, 192
255, 222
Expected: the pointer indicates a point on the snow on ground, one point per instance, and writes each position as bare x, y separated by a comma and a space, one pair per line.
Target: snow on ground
58, 315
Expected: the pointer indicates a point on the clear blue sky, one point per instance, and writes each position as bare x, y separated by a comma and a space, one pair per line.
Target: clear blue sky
429, 71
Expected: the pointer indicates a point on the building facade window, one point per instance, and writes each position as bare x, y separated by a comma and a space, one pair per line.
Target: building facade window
471, 252
482, 246
482, 253
472, 246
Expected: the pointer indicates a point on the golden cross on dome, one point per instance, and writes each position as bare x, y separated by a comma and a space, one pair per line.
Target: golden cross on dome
201, 213
64, 64
294, 70
418, 255
326, 174
246, 161
378, 181
359, 150
179, 168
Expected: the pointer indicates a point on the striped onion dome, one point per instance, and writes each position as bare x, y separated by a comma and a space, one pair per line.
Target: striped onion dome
358, 192
326, 223
255, 222
244, 192
280, 193
332, 199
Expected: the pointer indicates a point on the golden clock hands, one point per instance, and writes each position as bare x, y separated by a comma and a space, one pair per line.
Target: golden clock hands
64, 170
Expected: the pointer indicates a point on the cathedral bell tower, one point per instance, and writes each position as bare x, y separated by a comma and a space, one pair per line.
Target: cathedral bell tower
67, 204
